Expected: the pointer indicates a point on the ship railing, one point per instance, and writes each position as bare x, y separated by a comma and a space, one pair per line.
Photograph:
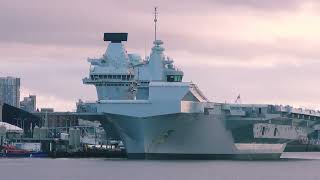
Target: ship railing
290, 109
88, 81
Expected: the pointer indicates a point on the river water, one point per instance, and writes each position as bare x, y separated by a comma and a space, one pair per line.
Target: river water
300, 166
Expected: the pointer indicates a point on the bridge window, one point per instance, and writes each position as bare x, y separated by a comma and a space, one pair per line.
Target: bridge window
174, 78
170, 78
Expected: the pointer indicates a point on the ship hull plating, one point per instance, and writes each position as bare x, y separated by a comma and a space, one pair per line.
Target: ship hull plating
160, 156
184, 136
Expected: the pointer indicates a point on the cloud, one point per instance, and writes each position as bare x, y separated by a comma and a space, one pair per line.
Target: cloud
265, 50
240, 34
49, 71
49, 100
82, 22
264, 4
293, 85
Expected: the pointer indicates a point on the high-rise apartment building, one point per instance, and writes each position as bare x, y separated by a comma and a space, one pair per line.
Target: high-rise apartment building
10, 91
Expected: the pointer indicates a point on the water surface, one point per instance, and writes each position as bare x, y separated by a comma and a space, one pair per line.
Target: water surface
295, 166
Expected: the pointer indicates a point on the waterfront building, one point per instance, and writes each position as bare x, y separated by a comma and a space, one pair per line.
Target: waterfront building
10, 91
19, 118
57, 119
46, 110
29, 103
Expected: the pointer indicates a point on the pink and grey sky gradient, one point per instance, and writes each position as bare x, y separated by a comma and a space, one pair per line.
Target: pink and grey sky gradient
265, 50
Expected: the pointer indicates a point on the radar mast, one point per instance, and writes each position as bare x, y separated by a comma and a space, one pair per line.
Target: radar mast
155, 22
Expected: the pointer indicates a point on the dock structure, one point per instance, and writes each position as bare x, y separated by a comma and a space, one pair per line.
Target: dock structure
62, 134
56, 125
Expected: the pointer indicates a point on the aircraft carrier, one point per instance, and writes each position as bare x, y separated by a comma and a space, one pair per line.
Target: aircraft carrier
158, 116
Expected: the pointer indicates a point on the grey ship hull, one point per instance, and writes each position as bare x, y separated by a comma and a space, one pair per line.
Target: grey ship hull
184, 136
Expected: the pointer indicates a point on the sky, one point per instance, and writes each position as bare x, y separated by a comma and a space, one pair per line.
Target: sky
264, 50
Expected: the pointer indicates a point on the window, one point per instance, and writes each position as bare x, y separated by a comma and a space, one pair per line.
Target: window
170, 78
174, 78
275, 131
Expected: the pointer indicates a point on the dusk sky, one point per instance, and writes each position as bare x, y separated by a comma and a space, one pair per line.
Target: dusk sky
265, 50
